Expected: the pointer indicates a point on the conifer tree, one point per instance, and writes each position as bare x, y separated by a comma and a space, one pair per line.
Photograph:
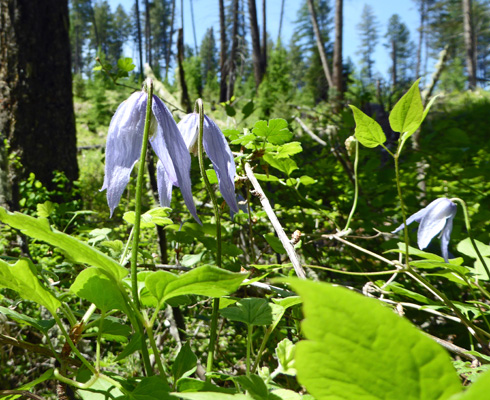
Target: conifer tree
368, 32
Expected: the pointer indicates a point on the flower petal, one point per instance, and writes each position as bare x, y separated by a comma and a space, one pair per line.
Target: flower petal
123, 147
417, 217
219, 153
434, 220
446, 234
164, 186
168, 140
189, 128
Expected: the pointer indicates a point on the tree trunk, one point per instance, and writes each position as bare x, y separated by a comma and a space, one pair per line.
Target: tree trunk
281, 17
170, 40
393, 65
36, 116
138, 32
148, 33
256, 53
222, 54
320, 45
469, 41
337, 50
421, 38
185, 101
264, 38
234, 46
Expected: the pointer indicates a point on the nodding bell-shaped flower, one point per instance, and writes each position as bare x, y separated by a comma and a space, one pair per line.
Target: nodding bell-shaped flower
218, 151
437, 217
123, 150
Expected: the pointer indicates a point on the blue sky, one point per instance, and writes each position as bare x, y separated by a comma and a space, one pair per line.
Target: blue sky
206, 15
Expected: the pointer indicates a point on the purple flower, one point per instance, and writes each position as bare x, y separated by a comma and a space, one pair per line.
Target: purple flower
436, 217
218, 151
123, 150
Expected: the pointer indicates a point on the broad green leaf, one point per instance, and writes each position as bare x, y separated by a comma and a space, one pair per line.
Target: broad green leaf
44, 325
266, 178
126, 64
99, 289
45, 210
340, 323
22, 278
212, 177
245, 139
286, 394
406, 135
285, 351
477, 391
276, 131
467, 248
254, 385
289, 149
248, 109
133, 346
480, 269
38, 228
368, 131
196, 385
251, 311
44, 377
307, 180
204, 281
113, 329
285, 165
185, 363
155, 216
397, 288
230, 110
407, 114
101, 389
151, 388
275, 243
211, 396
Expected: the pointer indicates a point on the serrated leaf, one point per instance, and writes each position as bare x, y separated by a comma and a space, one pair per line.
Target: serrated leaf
185, 363
77, 250
368, 131
285, 351
285, 165
476, 391
421, 370
126, 64
245, 139
99, 289
155, 216
407, 114
275, 131
22, 278
289, 149
45, 209
251, 311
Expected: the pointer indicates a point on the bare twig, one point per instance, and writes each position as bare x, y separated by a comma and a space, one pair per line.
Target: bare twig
310, 132
300, 272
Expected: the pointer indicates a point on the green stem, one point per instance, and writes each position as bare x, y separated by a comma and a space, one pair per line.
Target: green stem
470, 235
249, 347
156, 353
402, 206
214, 316
356, 187
139, 190
126, 248
268, 332
99, 338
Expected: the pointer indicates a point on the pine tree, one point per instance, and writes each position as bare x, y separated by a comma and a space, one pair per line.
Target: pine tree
368, 32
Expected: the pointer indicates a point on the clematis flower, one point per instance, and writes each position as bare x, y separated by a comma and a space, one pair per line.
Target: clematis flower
437, 217
218, 151
123, 150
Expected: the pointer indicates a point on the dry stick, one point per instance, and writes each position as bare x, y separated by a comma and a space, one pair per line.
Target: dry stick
300, 272
310, 132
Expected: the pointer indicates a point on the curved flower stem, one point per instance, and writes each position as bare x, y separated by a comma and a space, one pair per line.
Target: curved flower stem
137, 221
99, 339
209, 188
356, 187
470, 235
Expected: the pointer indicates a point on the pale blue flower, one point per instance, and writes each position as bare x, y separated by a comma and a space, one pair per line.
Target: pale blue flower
218, 151
437, 217
123, 150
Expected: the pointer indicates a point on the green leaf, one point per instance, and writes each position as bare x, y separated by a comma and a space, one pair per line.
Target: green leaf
340, 323
368, 131
38, 228
101, 389
185, 363
155, 216
22, 278
254, 385
266, 178
289, 149
99, 289
151, 388
113, 329
244, 140
133, 346
285, 165
251, 311
204, 281
275, 243
230, 111
285, 351
196, 385
212, 177
467, 248
286, 394
276, 131
45, 210
44, 325
407, 114
248, 109
307, 180
477, 391
126, 64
